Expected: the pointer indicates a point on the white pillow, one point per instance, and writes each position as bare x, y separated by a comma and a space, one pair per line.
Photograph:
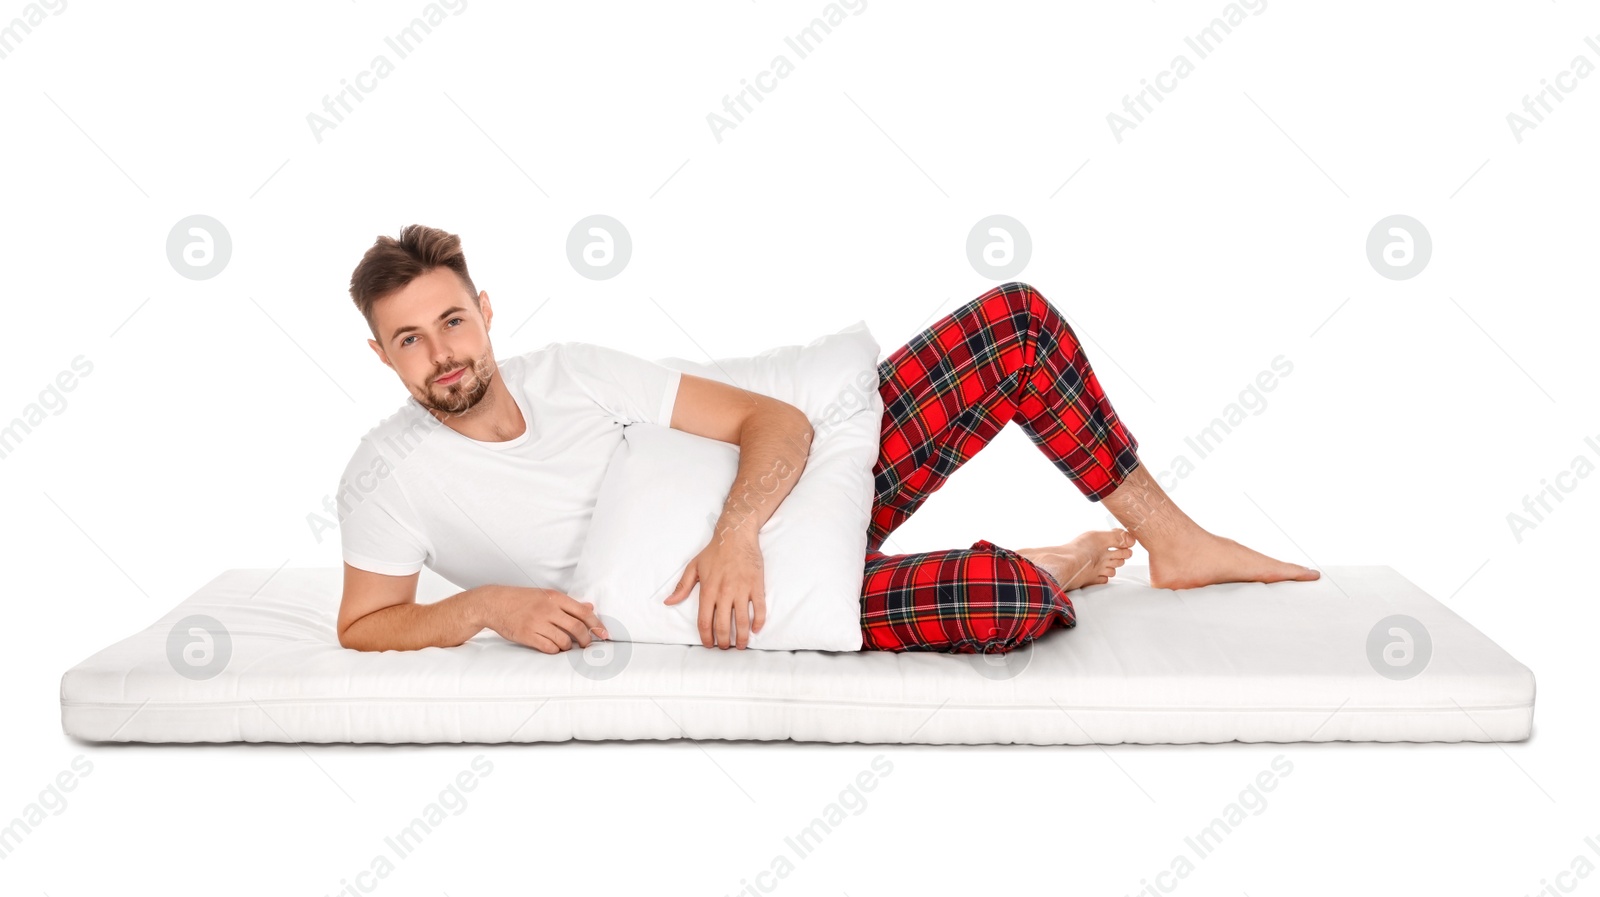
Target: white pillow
665, 488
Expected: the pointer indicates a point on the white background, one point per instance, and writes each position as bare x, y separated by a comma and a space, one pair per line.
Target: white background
1226, 229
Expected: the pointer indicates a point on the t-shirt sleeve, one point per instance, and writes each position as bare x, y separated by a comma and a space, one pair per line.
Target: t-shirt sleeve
373, 534
636, 389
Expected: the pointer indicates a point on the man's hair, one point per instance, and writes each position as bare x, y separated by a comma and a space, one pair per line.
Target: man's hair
392, 263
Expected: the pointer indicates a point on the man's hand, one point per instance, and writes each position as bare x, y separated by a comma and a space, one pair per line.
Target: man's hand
731, 578
542, 618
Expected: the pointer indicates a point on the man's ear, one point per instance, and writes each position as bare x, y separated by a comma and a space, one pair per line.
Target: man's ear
488, 310
378, 350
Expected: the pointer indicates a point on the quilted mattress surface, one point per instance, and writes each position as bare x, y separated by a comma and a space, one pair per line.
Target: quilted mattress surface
1359, 655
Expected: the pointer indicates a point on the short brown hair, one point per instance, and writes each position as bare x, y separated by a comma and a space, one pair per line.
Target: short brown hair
392, 263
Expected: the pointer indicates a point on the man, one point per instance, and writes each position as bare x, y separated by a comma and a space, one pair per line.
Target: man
489, 474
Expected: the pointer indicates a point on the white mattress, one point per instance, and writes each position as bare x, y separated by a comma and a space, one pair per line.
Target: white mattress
1235, 662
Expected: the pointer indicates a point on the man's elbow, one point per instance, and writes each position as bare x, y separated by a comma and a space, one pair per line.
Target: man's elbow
353, 637
803, 430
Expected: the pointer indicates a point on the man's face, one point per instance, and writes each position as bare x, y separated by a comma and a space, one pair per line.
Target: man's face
433, 336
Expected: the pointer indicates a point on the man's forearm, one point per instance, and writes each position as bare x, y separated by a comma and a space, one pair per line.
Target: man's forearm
774, 444
406, 627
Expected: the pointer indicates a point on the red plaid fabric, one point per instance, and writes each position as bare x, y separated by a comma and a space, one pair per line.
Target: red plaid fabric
1007, 355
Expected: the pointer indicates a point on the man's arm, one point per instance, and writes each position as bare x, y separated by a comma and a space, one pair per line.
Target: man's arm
774, 439
381, 613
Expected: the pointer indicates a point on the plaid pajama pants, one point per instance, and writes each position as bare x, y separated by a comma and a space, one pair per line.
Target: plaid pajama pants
1007, 355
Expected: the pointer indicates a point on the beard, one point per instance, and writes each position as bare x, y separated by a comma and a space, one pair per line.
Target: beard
461, 396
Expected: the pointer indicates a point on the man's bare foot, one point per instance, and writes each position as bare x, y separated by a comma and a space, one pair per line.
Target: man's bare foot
1090, 558
1200, 558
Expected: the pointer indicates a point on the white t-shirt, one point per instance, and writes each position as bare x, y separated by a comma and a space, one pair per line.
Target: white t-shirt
511, 513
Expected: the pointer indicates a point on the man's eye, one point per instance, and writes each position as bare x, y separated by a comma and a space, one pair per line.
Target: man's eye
407, 340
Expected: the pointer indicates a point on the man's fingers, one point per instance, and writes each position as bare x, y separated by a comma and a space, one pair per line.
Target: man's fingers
723, 625
585, 613
728, 614
583, 610
685, 584
592, 620
741, 616
575, 629
706, 616
557, 636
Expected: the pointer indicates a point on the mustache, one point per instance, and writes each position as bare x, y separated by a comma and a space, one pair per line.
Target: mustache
437, 376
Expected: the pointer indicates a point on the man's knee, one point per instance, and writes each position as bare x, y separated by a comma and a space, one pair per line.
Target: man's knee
1027, 602
1026, 299
1025, 295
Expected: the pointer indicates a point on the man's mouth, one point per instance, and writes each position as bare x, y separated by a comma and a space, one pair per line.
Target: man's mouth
448, 379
